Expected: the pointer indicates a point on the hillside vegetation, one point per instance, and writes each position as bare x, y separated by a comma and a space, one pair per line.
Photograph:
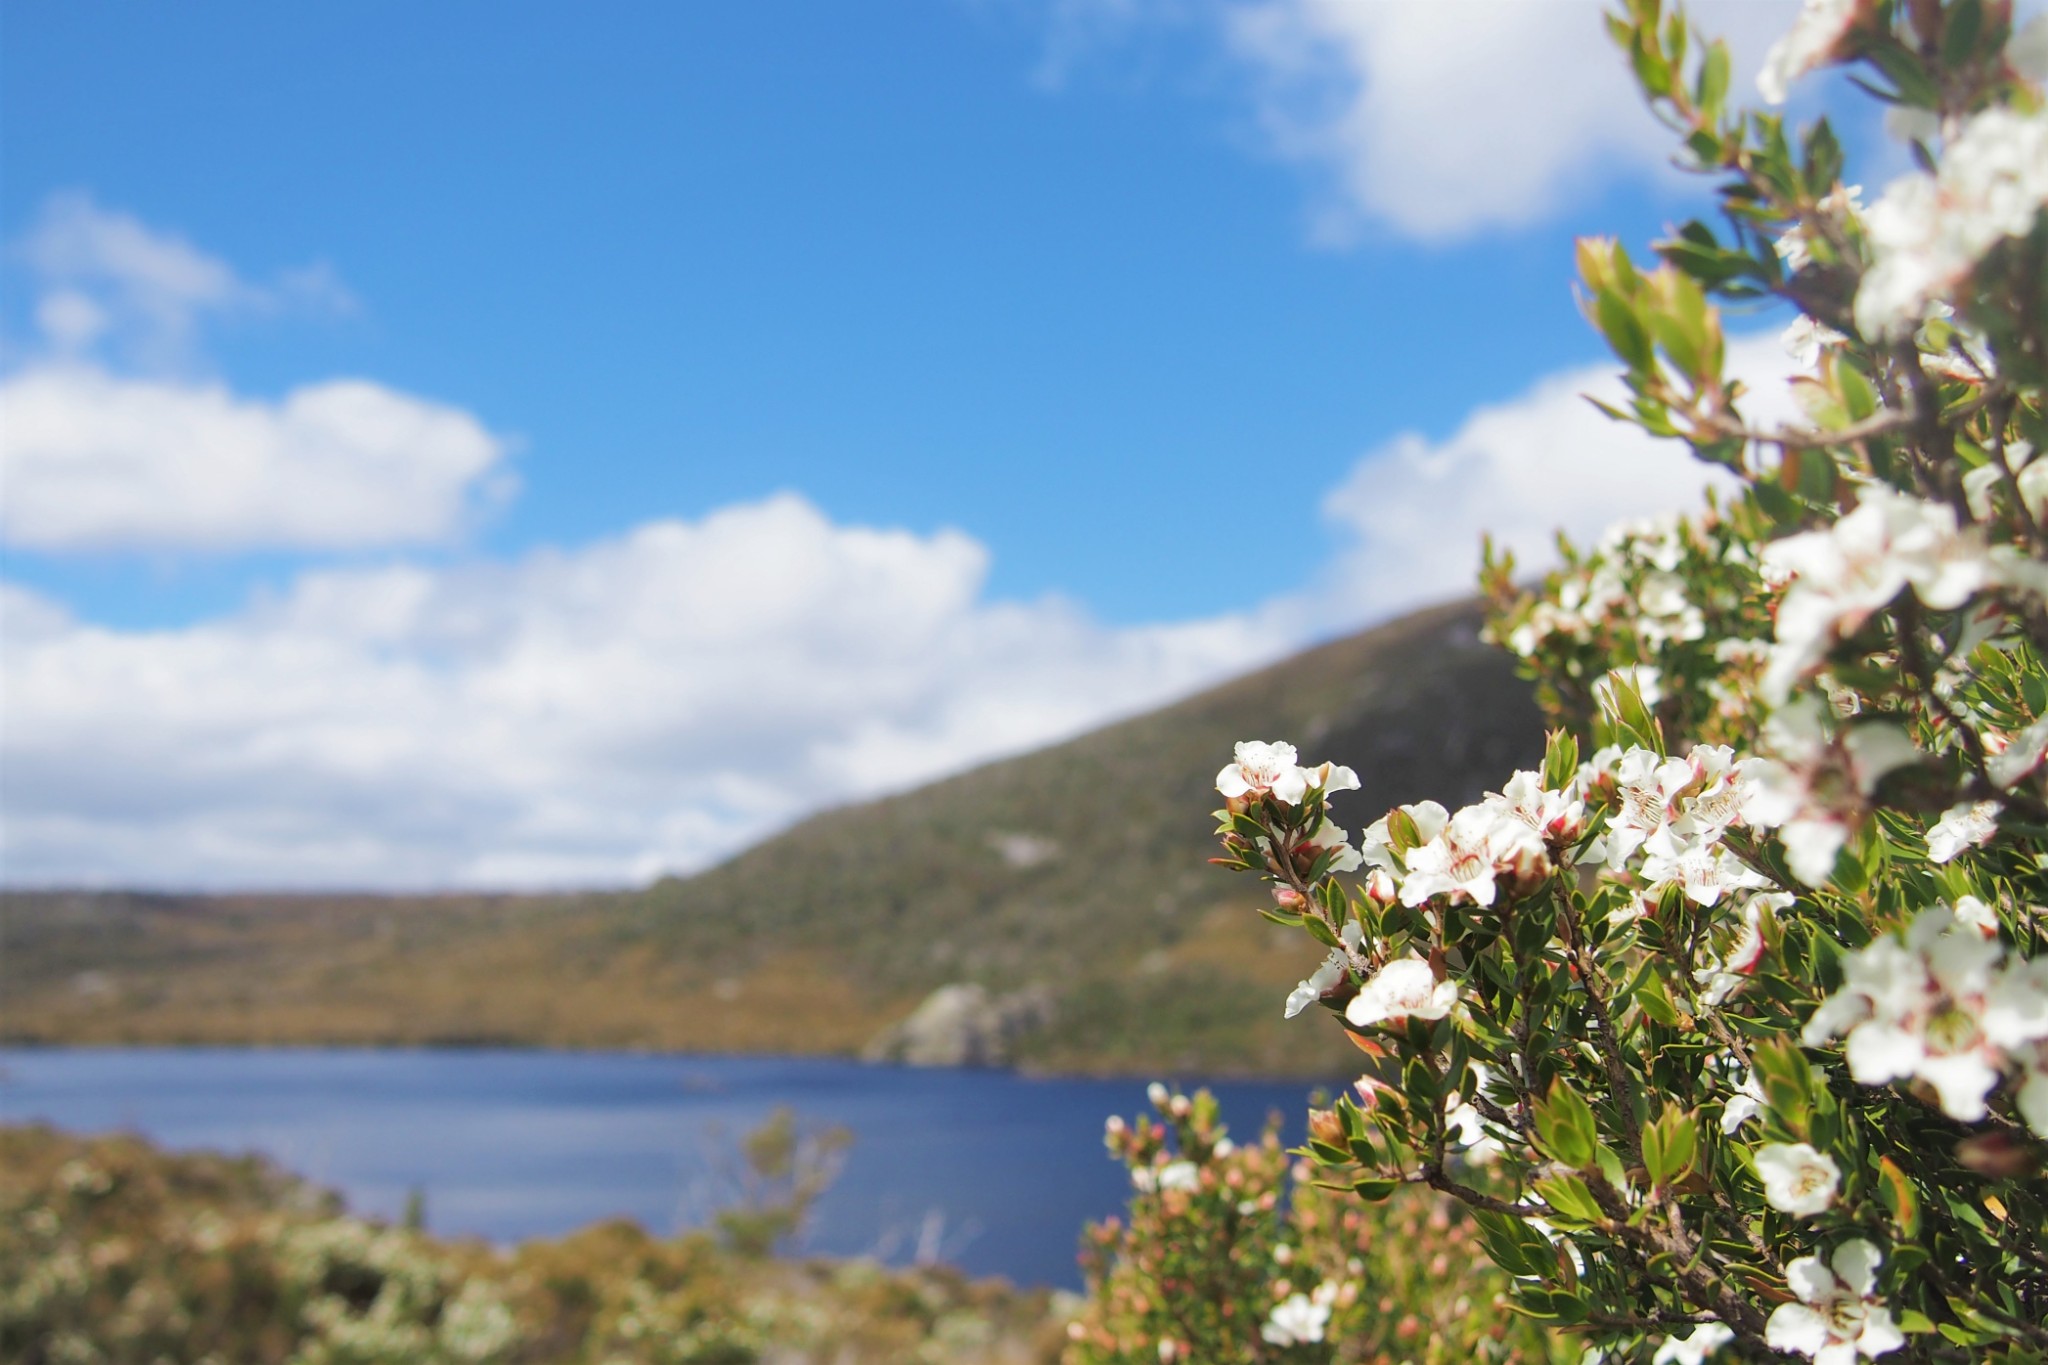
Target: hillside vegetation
1078, 870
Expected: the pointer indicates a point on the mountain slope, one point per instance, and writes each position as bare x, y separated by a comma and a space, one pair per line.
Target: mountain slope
1078, 869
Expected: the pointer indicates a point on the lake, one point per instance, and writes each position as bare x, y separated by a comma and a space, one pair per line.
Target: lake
992, 1171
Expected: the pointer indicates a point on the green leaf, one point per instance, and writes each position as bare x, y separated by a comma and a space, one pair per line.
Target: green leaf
1624, 331
1514, 1246
1373, 1191
1572, 1199
1564, 1127
1671, 1146
1712, 86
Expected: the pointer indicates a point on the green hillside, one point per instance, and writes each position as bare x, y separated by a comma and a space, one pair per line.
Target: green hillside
1076, 873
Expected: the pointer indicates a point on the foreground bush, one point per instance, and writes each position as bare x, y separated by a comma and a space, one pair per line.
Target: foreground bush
1728, 1028
114, 1253
1230, 1254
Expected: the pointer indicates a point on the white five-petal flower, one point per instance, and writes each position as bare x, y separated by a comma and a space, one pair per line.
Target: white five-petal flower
1403, 988
1837, 1317
1799, 1179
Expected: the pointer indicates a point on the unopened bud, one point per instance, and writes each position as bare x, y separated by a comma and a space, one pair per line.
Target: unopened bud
1326, 1126
1179, 1106
1156, 1093
1379, 888
1288, 898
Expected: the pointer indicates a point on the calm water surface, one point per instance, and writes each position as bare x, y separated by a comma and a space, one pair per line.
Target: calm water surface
992, 1171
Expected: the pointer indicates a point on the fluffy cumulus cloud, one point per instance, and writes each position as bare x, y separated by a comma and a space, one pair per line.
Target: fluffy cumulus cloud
1446, 118
114, 439
1410, 516
93, 460
642, 704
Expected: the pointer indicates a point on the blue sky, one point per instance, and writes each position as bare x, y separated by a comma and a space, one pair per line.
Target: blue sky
1101, 330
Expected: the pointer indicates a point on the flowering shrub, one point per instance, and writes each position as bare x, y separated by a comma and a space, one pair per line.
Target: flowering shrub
1230, 1253
1729, 1026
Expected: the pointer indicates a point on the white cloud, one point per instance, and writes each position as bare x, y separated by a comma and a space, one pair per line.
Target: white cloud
1449, 117
110, 442
91, 460
105, 278
1412, 513
595, 715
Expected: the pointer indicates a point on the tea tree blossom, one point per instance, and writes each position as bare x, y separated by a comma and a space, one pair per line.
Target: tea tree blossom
1695, 1347
1814, 40
1478, 844
1967, 825
1798, 1179
1318, 983
1647, 784
1404, 988
1704, 872
1842, 574
1837, 1317
1932, 1008
1264, 769
1296, 1320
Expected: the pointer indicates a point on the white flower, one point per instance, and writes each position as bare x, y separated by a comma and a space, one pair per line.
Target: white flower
1978, 915
1962, 826
1727, 787
1837, 1317
1331, 778
1324, 977
1330, 837
1924, 1009
1179, 1175
1264, 769
1404, 987
1805, 339
1647, 784
1705, 871
2022, 754
1296, 1320
1428, 817
1556, 817
1742, 1106
1928, 232
1465, 856
1812, 797
1798, 1179
1843, 573
1813, 41
1721, 977
1693, 1349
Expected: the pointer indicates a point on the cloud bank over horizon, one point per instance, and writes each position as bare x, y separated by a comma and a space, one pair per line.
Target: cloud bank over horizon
646, 702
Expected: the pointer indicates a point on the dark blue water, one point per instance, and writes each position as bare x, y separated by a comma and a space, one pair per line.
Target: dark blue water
991, 1171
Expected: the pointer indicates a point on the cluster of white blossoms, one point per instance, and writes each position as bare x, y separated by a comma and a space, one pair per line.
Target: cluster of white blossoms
1629, 584
1841, 575
1941, 1006
1927, 233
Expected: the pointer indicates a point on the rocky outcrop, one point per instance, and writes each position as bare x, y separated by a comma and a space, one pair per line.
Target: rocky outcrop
963, 1024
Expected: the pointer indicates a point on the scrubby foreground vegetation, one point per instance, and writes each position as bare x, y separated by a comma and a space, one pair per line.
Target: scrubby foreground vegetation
115, 1253
1726, 1026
